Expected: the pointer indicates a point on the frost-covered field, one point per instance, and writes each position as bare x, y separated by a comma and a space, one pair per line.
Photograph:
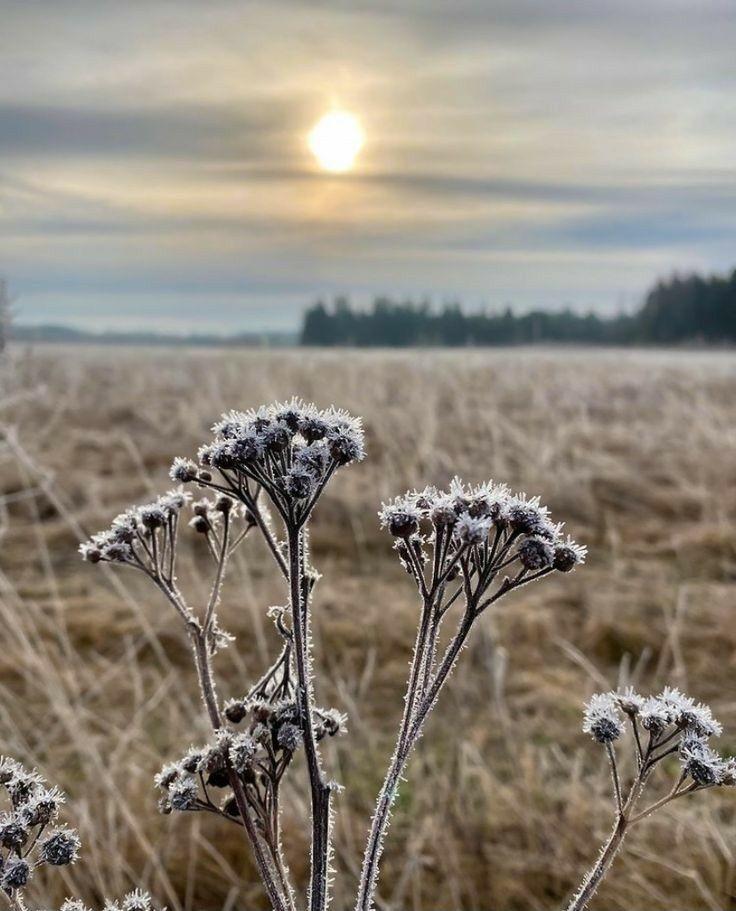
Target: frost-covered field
506, 797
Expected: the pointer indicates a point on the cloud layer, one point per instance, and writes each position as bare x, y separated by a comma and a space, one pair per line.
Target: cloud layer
154, 170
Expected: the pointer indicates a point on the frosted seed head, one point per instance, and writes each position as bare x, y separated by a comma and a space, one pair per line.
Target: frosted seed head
247, 449
536, 553
299, 483
276, 438
401, 517
167, 776
200, 524
684, 712
602, 719
568, 555
471, 531
60, 847
345, 445
629, 701
15, 874
676, 702
262, 710
12, 833
242, 752
332, 721
218, 455
425, 500
702, 764
90, 552
527, 517
23, 786
312, 425
313, 458
235, 710
183, 470
232, 424
173, 500
183, 794
117, 553
151, 516
443, 513
655, 715
41, 808
728, 773
73, 904
290, 414
192, 761
699, 719
9, 768
487, 500
138, 900
289, 737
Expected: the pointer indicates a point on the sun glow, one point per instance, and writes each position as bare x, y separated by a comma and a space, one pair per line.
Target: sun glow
335, 141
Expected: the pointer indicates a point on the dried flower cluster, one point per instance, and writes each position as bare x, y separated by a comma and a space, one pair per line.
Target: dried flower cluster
29, 836
261, 735
464, 548
660, 727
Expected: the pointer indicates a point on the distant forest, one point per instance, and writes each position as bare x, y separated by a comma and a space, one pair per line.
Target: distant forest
680, 310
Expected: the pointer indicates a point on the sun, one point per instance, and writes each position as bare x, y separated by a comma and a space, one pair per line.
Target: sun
335, 141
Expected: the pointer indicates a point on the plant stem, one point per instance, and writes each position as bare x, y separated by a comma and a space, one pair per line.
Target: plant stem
382, 814
600, 867
279, 901
319, 789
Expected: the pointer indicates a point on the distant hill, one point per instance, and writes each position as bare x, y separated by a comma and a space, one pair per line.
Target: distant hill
66, 334
687, 310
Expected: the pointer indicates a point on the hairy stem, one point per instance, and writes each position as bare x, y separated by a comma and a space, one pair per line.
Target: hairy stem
279, 901
319, 789
382, 814
610, 849
599, 869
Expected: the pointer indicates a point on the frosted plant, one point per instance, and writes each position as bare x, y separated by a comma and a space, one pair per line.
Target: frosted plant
31, 838
284, 454
463, 549
29, 835
661, 729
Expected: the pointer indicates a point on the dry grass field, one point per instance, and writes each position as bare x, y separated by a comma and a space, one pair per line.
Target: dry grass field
506, 799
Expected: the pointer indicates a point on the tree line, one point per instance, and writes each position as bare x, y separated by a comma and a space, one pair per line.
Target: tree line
681, 310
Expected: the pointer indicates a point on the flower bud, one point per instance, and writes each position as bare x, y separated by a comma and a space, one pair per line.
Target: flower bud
536, 554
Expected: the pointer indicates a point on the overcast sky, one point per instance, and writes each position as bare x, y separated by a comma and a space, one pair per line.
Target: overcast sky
154, 171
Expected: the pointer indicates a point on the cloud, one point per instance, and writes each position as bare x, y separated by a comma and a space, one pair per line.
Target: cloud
173, 130
539, 152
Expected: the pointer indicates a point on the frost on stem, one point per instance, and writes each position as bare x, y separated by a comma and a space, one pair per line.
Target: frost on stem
277, 457
665, 726
464, 548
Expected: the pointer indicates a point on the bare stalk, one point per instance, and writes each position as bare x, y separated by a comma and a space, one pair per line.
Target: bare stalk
600, 867
279, 900
318, 786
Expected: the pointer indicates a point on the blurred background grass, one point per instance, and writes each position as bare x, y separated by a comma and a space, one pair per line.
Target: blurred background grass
506, 799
